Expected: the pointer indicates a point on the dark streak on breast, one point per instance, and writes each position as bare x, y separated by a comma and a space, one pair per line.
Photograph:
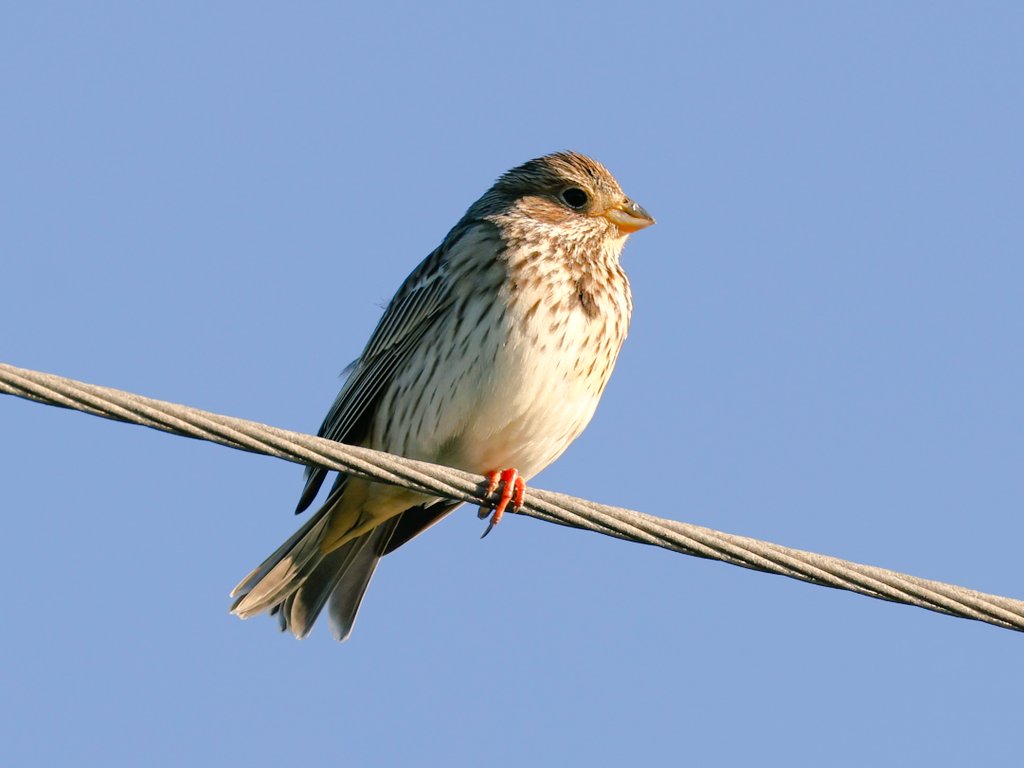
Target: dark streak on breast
586, 299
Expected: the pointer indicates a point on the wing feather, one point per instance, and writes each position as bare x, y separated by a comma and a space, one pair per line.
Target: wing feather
418, 303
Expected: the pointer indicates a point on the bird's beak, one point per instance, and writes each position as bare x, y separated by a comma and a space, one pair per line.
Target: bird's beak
628, 217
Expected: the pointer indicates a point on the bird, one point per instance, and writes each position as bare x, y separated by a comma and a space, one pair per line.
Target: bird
490, 358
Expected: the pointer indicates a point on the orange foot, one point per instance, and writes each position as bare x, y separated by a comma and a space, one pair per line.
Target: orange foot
512, 489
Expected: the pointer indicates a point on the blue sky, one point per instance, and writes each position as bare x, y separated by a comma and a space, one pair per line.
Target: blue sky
210, 204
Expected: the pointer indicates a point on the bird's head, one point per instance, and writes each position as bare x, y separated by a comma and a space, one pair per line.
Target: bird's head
565, 192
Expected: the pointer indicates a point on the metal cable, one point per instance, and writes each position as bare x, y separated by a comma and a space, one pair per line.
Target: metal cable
558, 508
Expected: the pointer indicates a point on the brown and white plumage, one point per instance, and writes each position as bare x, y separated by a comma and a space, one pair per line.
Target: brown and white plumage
493, 354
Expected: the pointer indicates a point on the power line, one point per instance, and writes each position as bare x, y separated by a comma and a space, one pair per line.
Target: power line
436, 480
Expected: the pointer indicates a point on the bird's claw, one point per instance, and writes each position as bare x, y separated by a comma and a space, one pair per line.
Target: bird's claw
512, 489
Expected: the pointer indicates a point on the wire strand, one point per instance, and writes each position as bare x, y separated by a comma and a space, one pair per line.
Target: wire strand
436, 480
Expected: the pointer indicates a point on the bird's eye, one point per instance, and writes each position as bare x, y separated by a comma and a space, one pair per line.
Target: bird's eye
575, 197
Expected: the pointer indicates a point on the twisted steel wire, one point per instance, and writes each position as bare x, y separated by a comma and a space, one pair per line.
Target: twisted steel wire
446, 482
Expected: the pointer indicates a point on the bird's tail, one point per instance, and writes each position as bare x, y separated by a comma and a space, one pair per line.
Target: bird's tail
299, 579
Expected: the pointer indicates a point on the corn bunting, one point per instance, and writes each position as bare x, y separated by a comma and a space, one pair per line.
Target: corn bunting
490, 358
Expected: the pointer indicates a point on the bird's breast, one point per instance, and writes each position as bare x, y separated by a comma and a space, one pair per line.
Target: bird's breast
511, 375
539, 375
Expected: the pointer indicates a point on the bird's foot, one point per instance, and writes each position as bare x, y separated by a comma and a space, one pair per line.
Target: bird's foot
512, 489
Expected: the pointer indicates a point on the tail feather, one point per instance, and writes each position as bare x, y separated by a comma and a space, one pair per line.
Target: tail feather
298, 579
257, 574
279, 575
347, 593
340, 578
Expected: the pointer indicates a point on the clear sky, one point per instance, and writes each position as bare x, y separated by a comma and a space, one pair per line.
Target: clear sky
210, 204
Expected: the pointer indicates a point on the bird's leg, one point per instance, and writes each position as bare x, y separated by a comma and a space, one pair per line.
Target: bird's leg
512, 489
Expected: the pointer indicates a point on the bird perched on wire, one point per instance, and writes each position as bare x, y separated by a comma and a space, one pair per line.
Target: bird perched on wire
490, 358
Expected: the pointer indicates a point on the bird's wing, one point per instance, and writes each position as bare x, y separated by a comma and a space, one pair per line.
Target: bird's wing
418, 303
